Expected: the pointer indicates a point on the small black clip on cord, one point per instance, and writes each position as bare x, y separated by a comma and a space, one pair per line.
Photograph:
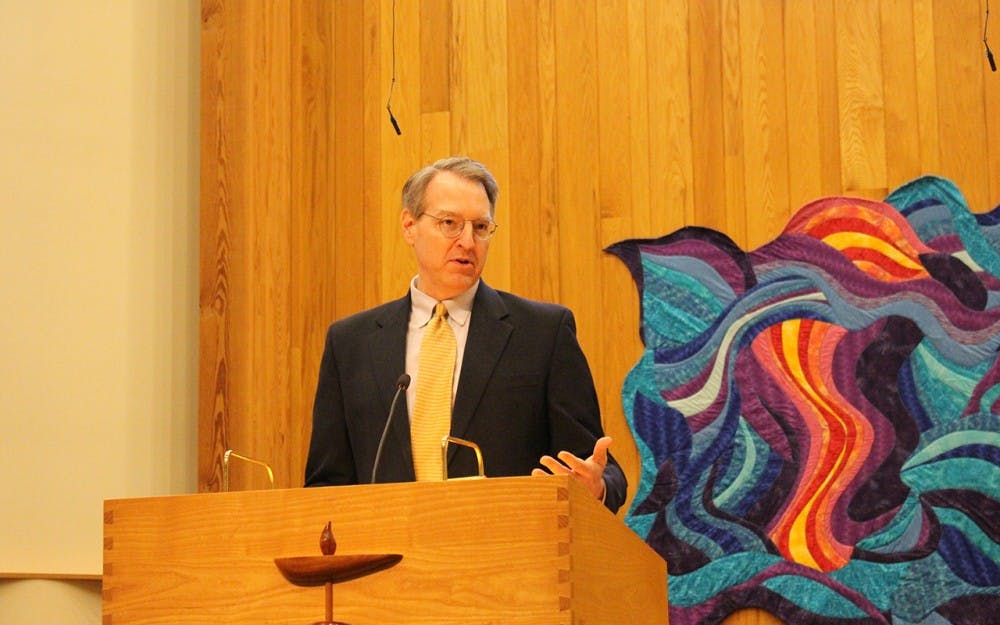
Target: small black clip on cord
989, 53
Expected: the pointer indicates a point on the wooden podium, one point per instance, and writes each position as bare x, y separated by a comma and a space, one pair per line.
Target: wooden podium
531, 550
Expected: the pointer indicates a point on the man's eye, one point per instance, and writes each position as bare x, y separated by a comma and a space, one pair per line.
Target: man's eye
480, 226
448, 222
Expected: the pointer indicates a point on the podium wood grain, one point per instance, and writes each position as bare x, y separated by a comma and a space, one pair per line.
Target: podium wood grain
509, 550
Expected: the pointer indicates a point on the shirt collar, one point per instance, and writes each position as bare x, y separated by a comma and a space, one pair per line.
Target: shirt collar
422, 305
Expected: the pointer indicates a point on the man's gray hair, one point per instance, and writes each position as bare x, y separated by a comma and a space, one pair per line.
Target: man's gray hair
461, 166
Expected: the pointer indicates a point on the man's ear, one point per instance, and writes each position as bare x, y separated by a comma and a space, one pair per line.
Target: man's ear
408, 223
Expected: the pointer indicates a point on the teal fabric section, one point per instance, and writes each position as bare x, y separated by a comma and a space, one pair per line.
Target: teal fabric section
710, 580
814, 597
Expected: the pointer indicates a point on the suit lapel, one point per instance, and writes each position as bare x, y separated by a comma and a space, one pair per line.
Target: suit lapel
388, 357
488, 335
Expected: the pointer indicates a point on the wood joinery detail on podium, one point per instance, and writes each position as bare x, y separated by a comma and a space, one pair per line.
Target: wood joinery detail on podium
498, 550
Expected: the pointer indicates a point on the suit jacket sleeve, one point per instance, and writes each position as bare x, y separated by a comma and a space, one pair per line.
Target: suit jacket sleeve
574, 411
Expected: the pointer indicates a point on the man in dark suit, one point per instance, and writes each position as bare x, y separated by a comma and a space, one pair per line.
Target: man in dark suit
523, 391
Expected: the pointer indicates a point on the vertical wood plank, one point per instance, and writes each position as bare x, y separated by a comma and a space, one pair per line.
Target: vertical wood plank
734, 160
765, 136
671, 198
435, 56
926, 85
221, 300
828, 98
638, 115
577, 161
614, 182
548, 172
266, 408
707, 126
862, 102
352, 258
312, 297
961, 107
899, 75
805, 164
377, 131
523, 222
435, 85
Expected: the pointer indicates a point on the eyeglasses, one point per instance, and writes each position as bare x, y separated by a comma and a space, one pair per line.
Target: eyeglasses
453, 227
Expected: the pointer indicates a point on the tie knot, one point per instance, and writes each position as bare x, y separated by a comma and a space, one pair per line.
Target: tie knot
440, 310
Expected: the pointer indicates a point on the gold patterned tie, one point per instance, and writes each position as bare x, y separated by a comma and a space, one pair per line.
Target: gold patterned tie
431, 419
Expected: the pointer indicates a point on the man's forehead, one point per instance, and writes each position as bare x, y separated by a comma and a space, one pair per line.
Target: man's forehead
450, 213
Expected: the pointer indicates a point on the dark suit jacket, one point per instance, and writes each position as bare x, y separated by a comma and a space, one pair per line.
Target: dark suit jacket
525, 390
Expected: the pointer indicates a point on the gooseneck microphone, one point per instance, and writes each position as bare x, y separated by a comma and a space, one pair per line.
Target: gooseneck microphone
401, 385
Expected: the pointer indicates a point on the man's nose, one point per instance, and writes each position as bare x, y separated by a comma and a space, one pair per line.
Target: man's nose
466, 238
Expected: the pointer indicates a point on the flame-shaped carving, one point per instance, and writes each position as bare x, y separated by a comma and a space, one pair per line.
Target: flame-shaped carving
327, 543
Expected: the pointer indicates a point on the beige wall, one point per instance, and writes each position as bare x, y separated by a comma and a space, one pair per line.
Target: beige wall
98, 275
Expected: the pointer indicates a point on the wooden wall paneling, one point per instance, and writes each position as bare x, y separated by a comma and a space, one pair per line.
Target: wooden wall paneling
246, 129
435, 136
862, 99
480, 68
262, 427
435, 83
707, 127
671, 197
805, 161
312, 298
618, 303
435, 56
222, 138
577, 160
354, 260
958, 31
899, 75
400, 154
765, 137
731, 95
828, 99
613, 127
547, 262
522, 221
377, 132
925, 60
638, 116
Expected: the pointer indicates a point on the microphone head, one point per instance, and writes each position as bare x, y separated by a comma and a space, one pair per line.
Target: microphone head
403, 382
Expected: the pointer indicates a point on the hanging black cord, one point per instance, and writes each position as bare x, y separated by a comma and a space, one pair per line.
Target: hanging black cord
392, 84
989, 53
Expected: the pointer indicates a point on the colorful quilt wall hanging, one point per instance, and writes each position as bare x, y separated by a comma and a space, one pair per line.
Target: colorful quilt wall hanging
818, 419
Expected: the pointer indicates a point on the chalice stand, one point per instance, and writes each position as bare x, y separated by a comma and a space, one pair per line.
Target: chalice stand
329, 569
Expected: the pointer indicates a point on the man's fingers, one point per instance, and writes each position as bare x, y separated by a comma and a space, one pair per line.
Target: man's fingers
571, 461
601, 450
553, 465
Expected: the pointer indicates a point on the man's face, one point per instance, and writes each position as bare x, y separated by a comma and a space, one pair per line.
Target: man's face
448, 267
